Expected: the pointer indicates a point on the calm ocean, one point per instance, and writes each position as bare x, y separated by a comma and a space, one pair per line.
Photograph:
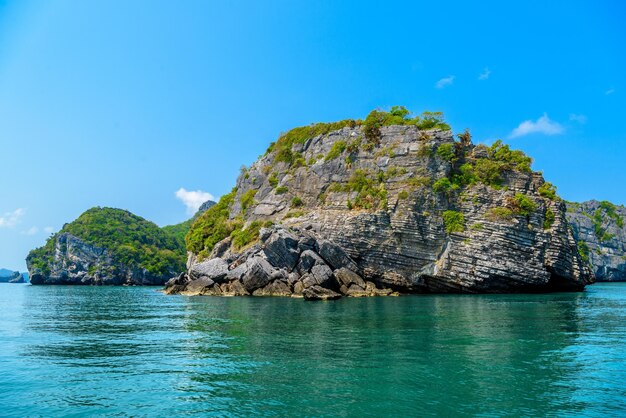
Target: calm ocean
123, 351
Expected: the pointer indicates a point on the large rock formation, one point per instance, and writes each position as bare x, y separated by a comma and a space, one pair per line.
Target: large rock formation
107, 246
8, 276
361, 208
601, 234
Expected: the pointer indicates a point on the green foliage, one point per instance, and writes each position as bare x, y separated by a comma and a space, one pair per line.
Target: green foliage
547, 190
399, 115
446, 151
489, 172
130, 239
296, 202
294, 214
281, 190
453, 221
523, 205
500, 214
247, 199
242, 237
477, 226
371, 192
583, 250
598, 218
273, 180
424, 151
336, 150
513, 159
403, 195
444, 185
301, 134
611, 211
211, 227
549, 221
418, 181
354, 146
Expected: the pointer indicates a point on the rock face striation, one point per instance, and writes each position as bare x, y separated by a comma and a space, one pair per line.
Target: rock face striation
358, 209
601, 235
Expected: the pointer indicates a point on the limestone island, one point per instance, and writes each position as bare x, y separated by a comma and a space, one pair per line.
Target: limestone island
393, 204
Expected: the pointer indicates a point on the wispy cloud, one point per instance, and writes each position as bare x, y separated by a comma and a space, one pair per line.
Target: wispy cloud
610, 91
485, 74
33, 230
48, 230
543, 125
446, 81
193, 199
10, 219
582, 119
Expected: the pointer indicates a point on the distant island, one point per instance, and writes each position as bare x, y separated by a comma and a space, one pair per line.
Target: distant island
107, 246
9, 276
388, 205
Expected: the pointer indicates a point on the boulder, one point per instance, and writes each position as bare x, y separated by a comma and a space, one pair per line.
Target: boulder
323, 275
258, 274
275, 288
347, 277
214, 269
319, 293
308, 259
198, 286
335, 256
281, 250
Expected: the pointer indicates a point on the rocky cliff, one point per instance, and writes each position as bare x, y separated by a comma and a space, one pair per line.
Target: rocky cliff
601, 235
8, 276
390, 204
106, 246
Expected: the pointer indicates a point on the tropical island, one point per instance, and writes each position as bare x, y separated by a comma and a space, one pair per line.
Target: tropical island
383, 206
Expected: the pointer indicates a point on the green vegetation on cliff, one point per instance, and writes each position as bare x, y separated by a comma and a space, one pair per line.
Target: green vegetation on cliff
129, 239
376, 119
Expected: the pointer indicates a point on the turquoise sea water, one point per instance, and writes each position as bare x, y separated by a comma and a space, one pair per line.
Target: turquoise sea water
113, 351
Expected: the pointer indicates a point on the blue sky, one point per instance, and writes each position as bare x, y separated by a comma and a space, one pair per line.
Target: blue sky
123, 103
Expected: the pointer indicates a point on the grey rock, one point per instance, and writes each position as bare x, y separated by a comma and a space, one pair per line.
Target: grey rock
258, 274
77, 262
307, 260
323, 275
319, 293
605, 246
347, 278
336, 256
281, 249
214, 269
275, 288
198, 285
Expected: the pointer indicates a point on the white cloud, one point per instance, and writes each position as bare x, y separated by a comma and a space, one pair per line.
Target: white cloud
31, 231
446, 81
10, 219
582, 119
543, 125
193, 199
610, 91
485, 74
48, 230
